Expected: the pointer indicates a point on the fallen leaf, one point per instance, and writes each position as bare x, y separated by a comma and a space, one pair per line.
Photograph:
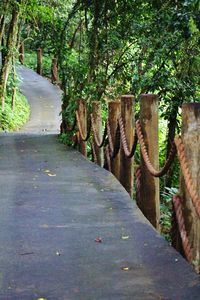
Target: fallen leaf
98, 239
125, 269
125, 237
47, 171
51, 175
41, 299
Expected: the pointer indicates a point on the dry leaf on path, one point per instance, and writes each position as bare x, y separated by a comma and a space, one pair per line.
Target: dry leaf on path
98, 239
125, 237
125, 269
51, 174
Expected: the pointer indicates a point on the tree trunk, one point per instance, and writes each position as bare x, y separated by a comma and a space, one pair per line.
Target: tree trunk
2, 27
94, 42
11, 43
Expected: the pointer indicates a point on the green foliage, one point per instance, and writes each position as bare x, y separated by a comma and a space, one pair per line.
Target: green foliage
166, 211
11, 120
46, 65
30, 61
66, 138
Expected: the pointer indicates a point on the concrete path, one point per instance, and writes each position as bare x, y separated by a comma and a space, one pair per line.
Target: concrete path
54, 204
45, 103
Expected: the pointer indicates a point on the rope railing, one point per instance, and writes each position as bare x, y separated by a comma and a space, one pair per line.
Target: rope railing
177, 203
145, 156
128, 153
186, 174
84, 137
99, 144
118, 141
113, 145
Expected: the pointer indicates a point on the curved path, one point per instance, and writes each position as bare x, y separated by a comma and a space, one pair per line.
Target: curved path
45, 104
54, 204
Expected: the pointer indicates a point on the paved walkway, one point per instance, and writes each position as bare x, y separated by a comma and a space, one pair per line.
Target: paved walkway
54, 204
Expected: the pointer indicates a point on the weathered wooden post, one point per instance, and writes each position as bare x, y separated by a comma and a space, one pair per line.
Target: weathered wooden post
113, 115
82, 111
96, 113
191, 141
126, 164
54, 70
39, 61
149, 192
21, 53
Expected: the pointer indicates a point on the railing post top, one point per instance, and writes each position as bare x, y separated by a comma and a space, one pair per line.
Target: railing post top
124, 97
149, 96
80, 100
113, 103
96, 104
191, 107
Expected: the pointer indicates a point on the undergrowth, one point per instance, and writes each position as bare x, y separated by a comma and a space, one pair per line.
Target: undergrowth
11, 120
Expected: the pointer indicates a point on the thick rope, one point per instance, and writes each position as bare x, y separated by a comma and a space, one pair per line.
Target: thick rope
187, 175
128, 153
138, 174
145, 155
84, 138
181, 226
98, 143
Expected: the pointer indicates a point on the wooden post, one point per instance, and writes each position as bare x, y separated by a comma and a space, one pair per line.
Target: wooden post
126, 164
113, 115
96, 112
39, 61
82, 110
191, 140
150, 198
21, 53
54, 70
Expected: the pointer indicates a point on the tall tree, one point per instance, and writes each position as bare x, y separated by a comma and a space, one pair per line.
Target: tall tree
9, 50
